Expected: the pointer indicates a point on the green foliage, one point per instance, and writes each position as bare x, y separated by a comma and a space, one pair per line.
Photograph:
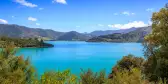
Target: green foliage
4, 41
132, 76
14, 70
89, 77
64, 77
127, 62
156, 47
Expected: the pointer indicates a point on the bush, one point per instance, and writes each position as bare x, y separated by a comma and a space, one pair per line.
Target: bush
127, 62
58, 77
89, 77
132, 76
13, 69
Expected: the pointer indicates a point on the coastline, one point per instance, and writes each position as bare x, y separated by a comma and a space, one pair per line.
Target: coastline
45, 45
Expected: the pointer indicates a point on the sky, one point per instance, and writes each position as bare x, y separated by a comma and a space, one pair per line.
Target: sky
79, 15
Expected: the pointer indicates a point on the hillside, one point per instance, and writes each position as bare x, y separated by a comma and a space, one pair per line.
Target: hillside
16, 31
133, 36
99, 33
74, 36
18, 42
125, 35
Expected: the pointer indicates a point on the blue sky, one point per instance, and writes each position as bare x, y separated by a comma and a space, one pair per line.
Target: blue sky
79, 15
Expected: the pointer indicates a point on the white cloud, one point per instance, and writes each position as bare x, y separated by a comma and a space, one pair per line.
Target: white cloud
3, 21
38, 24
25, 3
129, 25
127, 13
150, 9
60, 1
41, 8
32, 19
100, 25
77, 26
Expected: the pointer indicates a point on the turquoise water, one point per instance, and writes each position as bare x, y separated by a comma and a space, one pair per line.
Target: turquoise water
77, 55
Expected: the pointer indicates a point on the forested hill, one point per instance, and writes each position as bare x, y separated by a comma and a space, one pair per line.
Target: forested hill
18, 42
74, 36
127, 35
106, 32
133, 36
16, 31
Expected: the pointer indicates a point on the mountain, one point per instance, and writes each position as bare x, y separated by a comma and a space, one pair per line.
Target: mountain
74, 36
125, 35
133, 36
17, 31
99, 33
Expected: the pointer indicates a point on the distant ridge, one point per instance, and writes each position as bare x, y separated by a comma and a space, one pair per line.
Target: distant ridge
74, 36
16, 31
133, 36
106, 32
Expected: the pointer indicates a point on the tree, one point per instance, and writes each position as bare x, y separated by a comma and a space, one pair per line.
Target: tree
58, 77
14, 69
156, 46
132, 76
89, 77
127, 62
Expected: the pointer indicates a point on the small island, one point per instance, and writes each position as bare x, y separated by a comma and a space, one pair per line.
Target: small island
24, 42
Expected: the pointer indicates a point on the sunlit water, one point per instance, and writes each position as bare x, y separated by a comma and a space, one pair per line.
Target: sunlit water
79, 55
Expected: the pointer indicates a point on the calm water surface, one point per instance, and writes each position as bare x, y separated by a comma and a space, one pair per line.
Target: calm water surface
77, 55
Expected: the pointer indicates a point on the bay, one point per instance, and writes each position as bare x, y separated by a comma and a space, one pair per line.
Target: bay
77, 55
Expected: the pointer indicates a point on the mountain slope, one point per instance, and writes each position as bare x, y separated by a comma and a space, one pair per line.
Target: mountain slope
74, 36
99, 33
17, 31
133, 36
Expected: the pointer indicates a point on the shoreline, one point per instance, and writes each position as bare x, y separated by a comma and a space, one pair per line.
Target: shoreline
45, 45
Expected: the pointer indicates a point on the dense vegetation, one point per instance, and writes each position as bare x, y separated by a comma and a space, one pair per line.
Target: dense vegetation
156, 46
13, 69
132, 36
30, 42
129, 70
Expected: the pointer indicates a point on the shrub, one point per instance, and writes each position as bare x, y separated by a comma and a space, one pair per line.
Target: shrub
58, 77
132, 76
14, 69
89, 77
127, 62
